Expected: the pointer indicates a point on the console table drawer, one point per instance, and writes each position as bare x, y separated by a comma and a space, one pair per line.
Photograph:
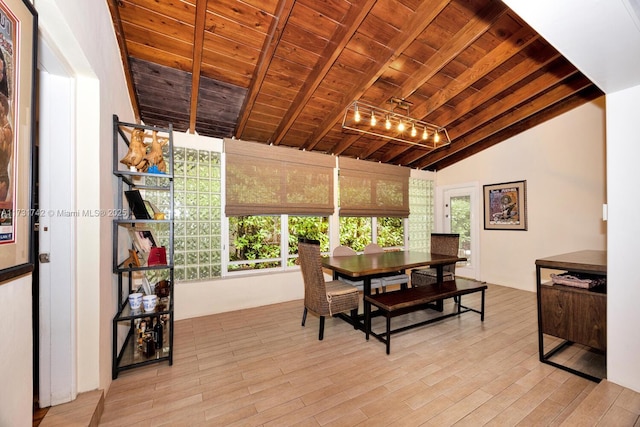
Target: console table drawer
574, 314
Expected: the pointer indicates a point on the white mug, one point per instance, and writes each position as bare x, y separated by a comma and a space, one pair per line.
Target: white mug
149, 302
135, 300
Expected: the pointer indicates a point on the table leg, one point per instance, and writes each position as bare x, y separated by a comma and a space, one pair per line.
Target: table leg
366, 288
366, 291
367, 319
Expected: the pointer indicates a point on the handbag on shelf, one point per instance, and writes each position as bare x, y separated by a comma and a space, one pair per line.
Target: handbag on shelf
157, 256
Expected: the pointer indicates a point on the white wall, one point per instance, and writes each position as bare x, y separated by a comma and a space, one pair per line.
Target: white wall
16, 369
623, 291
194, 299
563, 162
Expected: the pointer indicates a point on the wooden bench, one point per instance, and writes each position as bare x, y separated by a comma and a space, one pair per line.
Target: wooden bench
404, 301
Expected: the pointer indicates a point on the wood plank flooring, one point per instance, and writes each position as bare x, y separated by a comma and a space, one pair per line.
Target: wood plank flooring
259, 367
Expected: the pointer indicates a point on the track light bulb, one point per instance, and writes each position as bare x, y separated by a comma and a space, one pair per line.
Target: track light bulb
373, 119
436, 137
400, 126
387, 123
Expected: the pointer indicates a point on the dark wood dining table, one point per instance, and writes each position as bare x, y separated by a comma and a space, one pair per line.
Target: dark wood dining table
368, 266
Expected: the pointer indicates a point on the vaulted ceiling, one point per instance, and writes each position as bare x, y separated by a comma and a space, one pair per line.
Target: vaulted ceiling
283, 72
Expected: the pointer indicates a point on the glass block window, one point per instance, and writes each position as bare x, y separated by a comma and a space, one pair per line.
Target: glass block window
421, 218
197, 214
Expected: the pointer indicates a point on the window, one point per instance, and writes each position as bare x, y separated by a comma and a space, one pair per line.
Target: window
357, 232
367, 189
256, 242
274, 195
311, 227
390, 232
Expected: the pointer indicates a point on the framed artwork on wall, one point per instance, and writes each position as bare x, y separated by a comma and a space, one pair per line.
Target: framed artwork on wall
505, 206
18, 36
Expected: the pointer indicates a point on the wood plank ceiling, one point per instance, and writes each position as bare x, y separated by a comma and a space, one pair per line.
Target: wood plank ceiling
283, 72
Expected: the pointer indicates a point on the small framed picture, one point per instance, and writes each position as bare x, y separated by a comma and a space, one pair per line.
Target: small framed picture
505, 206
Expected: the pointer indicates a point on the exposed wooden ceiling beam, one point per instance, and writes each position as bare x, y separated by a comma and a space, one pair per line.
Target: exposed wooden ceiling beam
424, 14
198, 43
522, 71
463, 38
562, 91
124, 56
543, 83
334, 48
283, 11
488, 63
468, 34
586, 95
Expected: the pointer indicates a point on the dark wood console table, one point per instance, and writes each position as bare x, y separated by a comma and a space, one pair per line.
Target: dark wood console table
576, 315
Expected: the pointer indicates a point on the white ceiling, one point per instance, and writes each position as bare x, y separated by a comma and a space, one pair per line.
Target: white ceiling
600, 37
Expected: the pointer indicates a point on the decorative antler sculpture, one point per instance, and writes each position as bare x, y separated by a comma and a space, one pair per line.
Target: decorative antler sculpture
137, 151
154, 156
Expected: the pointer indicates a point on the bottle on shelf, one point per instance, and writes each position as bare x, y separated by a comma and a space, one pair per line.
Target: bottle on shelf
158, 330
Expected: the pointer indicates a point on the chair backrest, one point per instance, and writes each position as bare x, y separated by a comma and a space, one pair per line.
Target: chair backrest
445, 244
344, 251
373, 248
315, 290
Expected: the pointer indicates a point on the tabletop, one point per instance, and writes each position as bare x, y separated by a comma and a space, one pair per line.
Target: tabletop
385, 262
585, 261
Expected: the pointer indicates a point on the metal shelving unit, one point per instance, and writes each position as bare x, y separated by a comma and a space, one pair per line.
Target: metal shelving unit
129, 348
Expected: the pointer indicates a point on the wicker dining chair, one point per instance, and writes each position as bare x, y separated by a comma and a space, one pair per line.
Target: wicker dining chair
323, 298
395, 279
359, 284
444, 244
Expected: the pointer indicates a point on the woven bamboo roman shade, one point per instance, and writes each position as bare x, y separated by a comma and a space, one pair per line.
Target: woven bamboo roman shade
268, 180
373, 189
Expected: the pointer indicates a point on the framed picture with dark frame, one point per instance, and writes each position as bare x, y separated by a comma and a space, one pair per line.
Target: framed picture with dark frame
505, 206
18, 37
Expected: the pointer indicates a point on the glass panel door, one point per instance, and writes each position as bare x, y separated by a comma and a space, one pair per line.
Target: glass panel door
459, 206
460, 222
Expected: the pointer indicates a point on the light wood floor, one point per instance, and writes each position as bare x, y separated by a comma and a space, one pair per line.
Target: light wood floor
259, 367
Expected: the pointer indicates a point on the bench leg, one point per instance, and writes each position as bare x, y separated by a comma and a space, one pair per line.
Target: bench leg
482, 308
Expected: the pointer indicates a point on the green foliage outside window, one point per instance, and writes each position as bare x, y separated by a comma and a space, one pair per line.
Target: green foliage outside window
461, 220
254, 238
390, 232
310, 227
355, 232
